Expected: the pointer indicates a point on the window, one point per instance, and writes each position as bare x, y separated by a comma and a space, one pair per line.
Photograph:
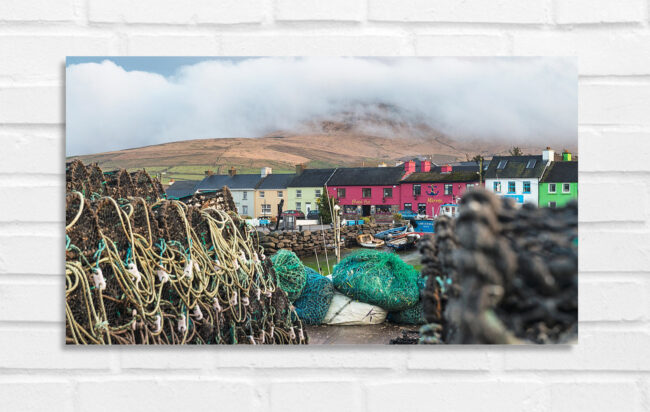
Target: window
244, 210
244, 195
408, 206
470, 186
566, 187
266, 209
551, 204
531, 163
449, 189
279, 193
317, 192
388, 192
497, 187
422, 208
502, 164
366, 192
551, 187
261, 194
417, 190
526, 187
340, 193
299, 193
511, 187
298, 206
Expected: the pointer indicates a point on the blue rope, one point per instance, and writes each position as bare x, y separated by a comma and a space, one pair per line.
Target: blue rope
100, 248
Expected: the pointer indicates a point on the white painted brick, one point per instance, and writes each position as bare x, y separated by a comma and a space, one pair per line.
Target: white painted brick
32, 302
16, 255
191, 394
168, 358
170, 45
451, 358
599, 53
613, 251
27, 204
460, 45
598, 349
471, 11
314, 45
45, 349
457, 395
43, 57
36, 10
31, 105
617, 103
25, 395
614, 151
612, 300
599, 11
595, 396
340, 10
611, 208
373, 357
173, 12
320, 396
45, 153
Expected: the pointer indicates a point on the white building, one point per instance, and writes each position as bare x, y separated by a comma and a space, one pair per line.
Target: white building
517, 177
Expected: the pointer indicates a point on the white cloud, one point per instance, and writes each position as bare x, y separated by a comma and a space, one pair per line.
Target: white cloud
519, 99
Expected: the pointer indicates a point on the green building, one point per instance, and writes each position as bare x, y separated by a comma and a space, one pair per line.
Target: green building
559, 184
305, 188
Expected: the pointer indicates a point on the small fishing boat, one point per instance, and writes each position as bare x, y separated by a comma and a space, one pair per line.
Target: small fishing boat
369, 241
403, 241
386, 234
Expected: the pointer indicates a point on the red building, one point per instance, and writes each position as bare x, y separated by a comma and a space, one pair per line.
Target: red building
424, 192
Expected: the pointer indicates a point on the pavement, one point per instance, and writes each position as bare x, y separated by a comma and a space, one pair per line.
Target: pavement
356, 335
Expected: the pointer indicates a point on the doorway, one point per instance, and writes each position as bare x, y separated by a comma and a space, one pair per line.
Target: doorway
365, 210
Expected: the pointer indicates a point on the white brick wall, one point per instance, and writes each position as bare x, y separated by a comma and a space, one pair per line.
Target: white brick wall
608, 370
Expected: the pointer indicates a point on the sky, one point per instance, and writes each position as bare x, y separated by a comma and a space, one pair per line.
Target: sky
115, 103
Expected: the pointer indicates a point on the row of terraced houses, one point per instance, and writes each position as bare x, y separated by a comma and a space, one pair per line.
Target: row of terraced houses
548, 180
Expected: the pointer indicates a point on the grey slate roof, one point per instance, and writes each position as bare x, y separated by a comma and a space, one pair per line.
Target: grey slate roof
216, 182
466, 173
276, 181
515, 168
370, 176
311, 178
181, 188
561, 172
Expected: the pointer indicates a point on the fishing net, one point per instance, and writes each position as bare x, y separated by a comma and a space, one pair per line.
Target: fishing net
413, 315
315, 299
290, 273
163, 272
501, 274
378, 278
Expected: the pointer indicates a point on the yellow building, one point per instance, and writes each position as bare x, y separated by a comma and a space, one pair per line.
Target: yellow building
269, 192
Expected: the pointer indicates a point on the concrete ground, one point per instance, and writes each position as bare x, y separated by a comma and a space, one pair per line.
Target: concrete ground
356, 335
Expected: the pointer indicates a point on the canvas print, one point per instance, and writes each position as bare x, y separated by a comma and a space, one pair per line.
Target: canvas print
321, 200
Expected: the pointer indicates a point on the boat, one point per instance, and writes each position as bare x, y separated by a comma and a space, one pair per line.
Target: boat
369, 241
387, 234
403, 241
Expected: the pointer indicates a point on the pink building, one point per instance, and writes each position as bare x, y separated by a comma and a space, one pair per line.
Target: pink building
366, 191
424, 192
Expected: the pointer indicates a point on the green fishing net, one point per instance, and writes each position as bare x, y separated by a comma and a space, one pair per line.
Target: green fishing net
290, 273
378, 278
413, 315
316, 297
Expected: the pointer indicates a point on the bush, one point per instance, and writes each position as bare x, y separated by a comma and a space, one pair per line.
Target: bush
397, 217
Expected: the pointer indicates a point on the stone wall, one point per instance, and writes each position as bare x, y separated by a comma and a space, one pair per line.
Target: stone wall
305, 242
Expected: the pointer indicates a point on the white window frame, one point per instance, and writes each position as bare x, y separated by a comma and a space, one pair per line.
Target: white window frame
299, 194
244, 195
566, 191
553, 185
317, 193
262, 194
552, 204
244, 210
266, 209
299, 206
279, 193
450, 187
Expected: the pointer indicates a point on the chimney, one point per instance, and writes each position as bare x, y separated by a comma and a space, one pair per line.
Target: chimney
426, 166
300, 168
548, 155
445, 169
171, 181
209, 172
266, 171
566, 156
409, 167
232, 172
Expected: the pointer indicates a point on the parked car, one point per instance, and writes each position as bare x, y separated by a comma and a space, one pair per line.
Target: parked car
295, 213
313, 215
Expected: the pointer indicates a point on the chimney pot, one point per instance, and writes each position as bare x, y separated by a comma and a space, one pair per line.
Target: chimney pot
232, 172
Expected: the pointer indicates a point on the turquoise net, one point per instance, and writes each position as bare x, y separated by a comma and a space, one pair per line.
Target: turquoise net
316, 297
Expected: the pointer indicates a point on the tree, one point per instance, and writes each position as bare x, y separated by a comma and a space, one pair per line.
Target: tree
516, 151
325, 207
479, 161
